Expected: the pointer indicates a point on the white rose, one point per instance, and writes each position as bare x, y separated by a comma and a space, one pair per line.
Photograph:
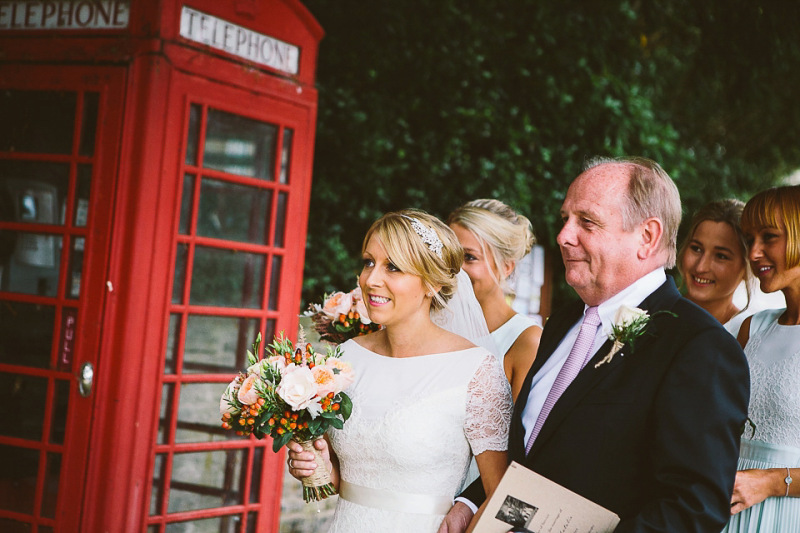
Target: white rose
298, 388
226, 402
625, 316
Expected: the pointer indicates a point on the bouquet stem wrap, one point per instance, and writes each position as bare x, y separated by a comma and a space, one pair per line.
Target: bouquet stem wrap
318, 485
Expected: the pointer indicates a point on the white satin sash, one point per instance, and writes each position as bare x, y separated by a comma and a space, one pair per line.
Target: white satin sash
402, 502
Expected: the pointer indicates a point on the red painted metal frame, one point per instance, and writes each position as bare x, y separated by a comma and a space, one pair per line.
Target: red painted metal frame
109, 83
147, 75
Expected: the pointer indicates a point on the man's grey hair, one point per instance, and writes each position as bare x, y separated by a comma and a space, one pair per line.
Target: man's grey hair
651, 193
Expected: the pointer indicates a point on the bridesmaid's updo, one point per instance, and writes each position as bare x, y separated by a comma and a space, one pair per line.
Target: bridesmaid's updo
504, 234
407, 251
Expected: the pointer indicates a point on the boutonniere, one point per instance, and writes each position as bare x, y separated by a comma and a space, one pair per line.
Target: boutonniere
630, 323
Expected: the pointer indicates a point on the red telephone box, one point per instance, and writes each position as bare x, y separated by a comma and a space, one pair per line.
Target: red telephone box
155, 172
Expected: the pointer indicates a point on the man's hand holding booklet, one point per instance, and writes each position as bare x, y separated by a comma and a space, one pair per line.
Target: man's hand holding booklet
527, 501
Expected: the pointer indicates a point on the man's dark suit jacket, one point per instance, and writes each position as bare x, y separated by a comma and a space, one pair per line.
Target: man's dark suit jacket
654, 434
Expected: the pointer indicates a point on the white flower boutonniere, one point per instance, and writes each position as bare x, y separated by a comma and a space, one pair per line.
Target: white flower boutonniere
629, 324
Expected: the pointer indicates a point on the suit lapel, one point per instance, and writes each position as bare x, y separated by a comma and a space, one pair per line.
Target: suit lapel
663, 298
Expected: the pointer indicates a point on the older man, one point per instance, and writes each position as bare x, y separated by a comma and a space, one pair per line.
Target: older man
650, 431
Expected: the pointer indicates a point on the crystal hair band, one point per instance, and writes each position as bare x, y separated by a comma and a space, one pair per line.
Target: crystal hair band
428, 235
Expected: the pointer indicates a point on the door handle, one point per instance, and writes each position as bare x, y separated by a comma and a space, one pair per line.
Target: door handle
86, 379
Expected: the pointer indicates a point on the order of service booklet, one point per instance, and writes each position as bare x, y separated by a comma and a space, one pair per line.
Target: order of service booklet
525, 499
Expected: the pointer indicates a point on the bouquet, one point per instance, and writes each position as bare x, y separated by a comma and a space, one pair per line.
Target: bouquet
341, 316
293, 393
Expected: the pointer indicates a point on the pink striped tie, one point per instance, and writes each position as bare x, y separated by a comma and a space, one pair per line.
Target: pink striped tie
576, 360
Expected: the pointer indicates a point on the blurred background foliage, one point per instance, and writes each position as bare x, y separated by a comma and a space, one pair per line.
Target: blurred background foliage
431, 103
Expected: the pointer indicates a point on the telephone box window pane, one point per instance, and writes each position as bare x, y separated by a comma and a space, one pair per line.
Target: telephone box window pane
233, 212
157, 494
275, 282
89, 124
206, 524
227, 278
193, 134
186, 205
52, 477
33, 267
179, 278
82, 190
26, 334
60, 406
252, 521
240, 145
205, 480
12, 526
165, 418
18, 469
22, 394
280, 220
218, 345
43, 121
286, 154
33, 191
75, 268
172, 343
198, 414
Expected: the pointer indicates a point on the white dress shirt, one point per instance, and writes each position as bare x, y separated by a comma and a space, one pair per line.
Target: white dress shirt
632, 296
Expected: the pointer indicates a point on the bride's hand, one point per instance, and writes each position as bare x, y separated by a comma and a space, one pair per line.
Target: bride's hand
302, 463
457, 519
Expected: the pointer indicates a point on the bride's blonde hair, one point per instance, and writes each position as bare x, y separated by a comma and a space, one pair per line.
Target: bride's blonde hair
407, 251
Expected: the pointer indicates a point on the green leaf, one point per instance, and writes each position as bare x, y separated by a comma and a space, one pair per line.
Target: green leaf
346, 406
281, 441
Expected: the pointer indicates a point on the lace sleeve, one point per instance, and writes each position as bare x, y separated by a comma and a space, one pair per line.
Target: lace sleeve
489, 408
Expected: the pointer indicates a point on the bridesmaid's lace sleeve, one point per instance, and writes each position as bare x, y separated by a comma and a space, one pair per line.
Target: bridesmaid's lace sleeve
489, 408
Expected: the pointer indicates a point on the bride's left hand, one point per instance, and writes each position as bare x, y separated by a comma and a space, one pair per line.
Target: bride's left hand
302, 463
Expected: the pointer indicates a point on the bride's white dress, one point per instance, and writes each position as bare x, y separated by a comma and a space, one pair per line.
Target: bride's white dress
416, 421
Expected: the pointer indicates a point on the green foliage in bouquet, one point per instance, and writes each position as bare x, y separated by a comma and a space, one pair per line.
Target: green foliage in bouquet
293, 393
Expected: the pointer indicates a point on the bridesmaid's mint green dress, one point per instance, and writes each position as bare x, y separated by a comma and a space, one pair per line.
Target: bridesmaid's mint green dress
773, 352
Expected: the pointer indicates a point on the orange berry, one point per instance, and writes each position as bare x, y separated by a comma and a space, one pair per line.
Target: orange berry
350, 315
356, 316
261, 402
271, 421
281, 431
287, 414
225, 425
311, 364
293, 425
240, 433
330, 395
226, 416
283, 421
241, 421
335, 407
295, 416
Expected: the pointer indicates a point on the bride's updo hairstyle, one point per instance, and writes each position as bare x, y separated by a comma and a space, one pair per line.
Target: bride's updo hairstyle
772, 208
504, 234
408, 251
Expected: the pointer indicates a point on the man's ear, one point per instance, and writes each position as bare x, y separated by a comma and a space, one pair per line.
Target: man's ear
651, 231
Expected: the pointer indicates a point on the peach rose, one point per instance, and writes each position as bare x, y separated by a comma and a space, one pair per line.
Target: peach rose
248, 394
336, 304
344, 376
325, 380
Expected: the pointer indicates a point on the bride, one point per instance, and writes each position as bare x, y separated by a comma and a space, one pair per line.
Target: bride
425, 400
